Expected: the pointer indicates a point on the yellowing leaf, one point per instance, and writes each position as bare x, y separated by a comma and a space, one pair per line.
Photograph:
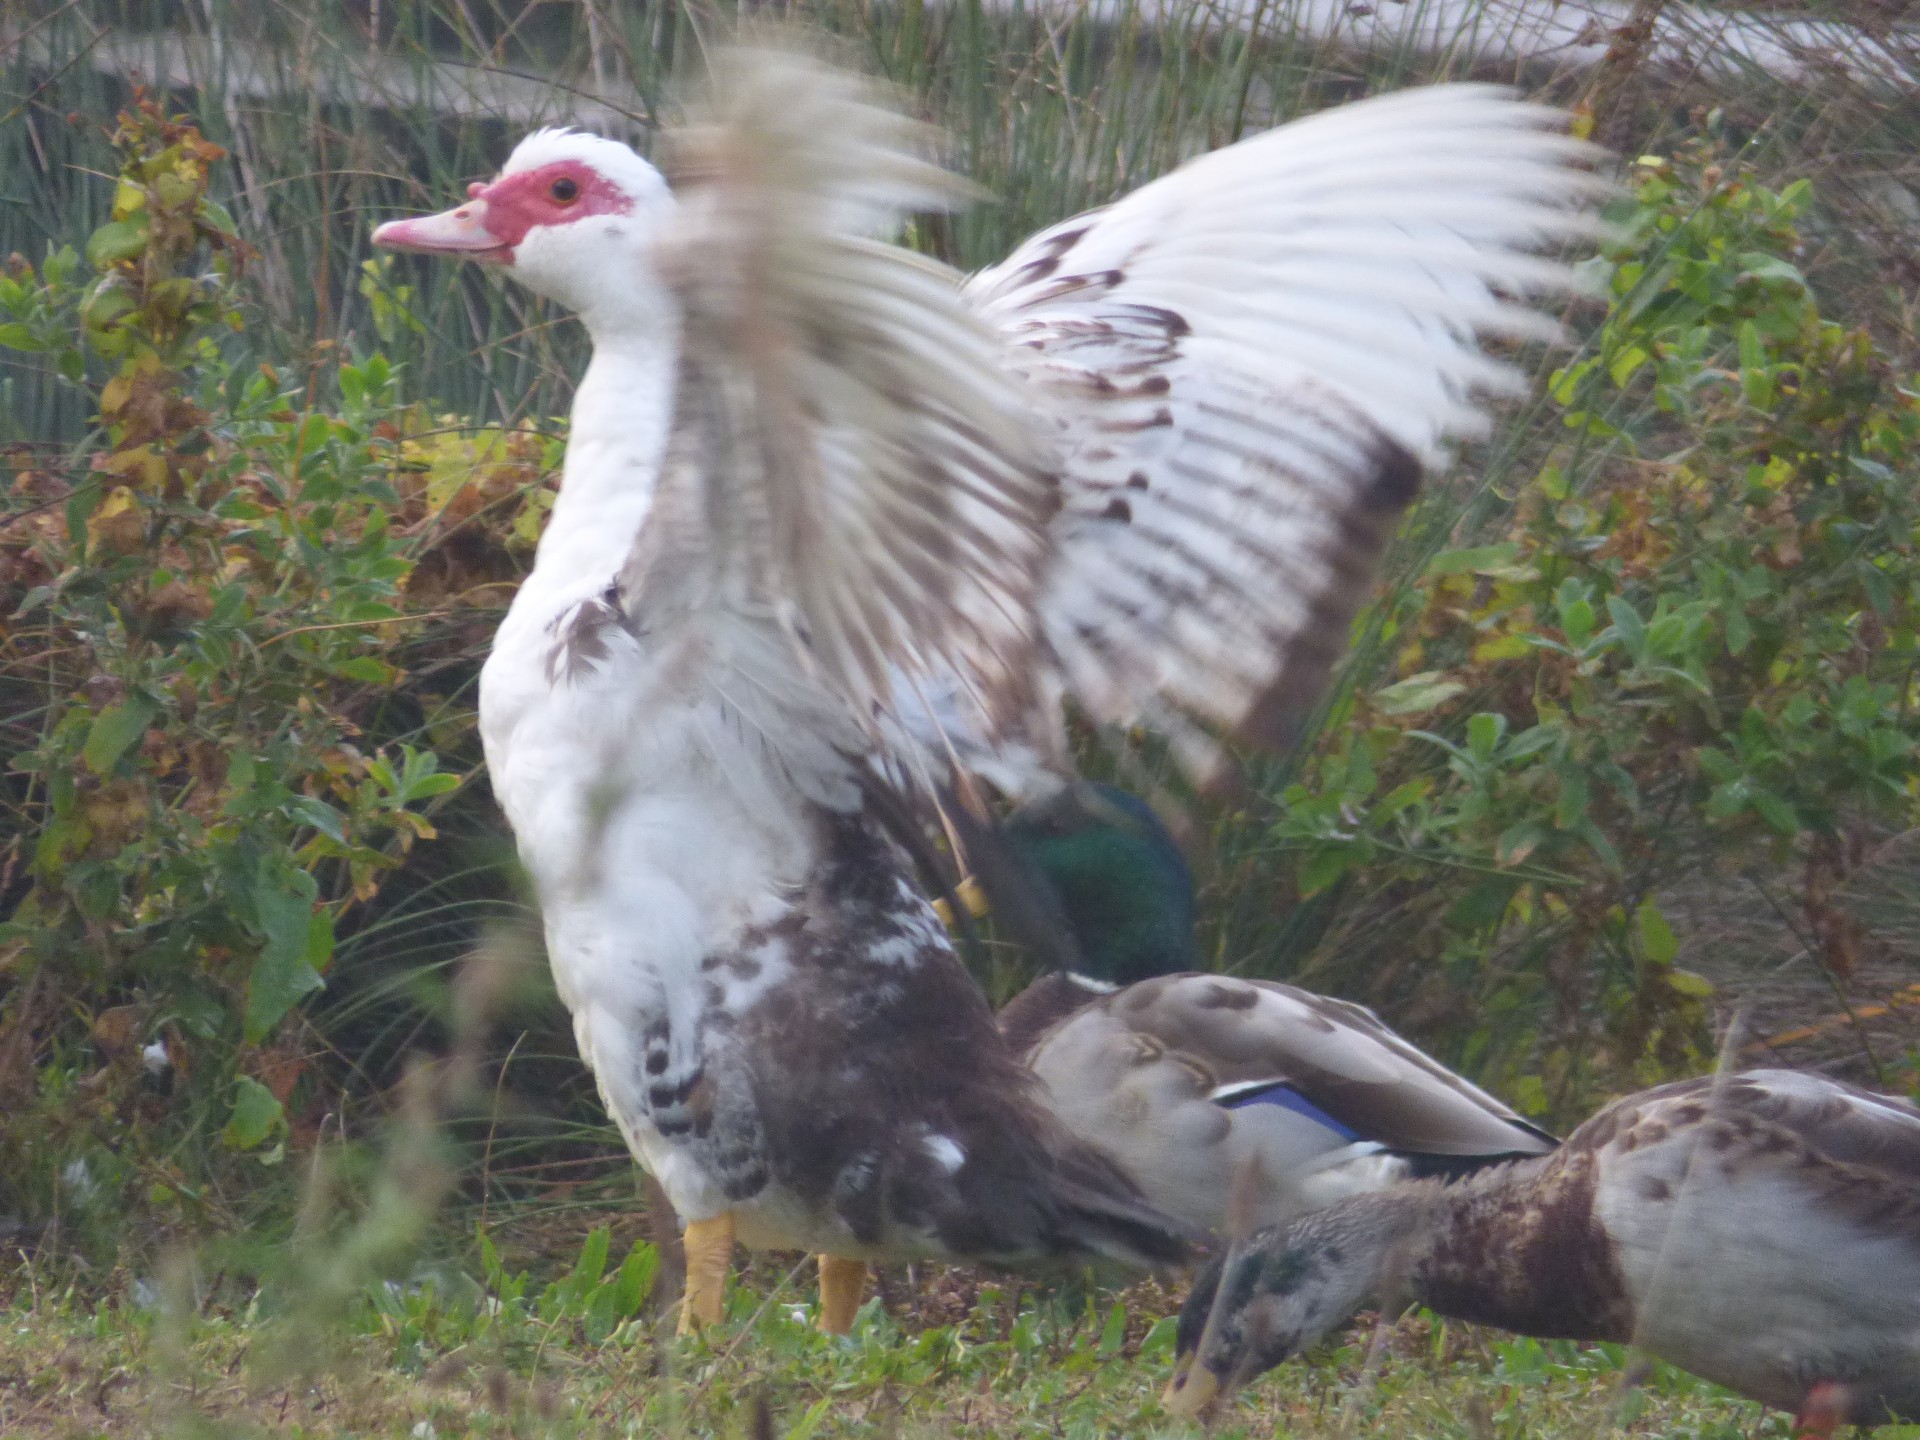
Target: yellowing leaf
532, 518
117, 525
114, 394
1657, 940
1503, 647
127, 198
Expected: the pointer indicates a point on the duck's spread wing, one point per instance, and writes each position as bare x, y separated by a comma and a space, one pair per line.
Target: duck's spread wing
1251, 362
850, 455
1337, 1056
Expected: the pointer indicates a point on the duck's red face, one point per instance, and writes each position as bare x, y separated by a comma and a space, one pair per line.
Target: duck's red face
498, 217
572, 217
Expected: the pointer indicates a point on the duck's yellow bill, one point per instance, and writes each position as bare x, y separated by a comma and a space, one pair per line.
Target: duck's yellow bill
1191, 1392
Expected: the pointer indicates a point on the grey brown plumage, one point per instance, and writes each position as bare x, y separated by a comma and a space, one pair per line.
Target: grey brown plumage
942, 1135
1188, 1080
1760, 1229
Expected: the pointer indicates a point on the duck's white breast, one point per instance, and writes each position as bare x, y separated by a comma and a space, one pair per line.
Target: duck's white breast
652, 825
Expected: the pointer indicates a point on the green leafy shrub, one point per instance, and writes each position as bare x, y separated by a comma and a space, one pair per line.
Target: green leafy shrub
200, 615
1690, 646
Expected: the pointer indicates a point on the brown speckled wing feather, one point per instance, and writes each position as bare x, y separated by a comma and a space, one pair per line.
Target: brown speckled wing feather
1250, 363
1841, 1122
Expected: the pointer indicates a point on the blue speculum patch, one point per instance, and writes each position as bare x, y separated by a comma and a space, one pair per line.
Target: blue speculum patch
1282, 1094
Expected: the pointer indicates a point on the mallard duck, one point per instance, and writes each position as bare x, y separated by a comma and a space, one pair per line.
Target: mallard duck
1759, 1229
1188, 1080
835, 528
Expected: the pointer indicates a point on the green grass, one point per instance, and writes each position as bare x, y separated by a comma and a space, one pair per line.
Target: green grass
447, 1356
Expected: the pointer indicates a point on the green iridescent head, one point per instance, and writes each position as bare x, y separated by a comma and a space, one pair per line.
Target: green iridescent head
1122, 883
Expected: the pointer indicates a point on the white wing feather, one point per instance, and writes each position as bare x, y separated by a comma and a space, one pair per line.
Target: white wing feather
1250, 362
850, 453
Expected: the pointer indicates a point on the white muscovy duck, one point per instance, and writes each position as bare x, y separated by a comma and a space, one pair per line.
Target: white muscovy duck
818, 492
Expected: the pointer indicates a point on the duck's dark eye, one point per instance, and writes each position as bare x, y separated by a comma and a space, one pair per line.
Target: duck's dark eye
565, 190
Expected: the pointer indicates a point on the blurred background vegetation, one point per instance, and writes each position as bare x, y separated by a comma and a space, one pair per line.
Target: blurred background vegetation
1623, 761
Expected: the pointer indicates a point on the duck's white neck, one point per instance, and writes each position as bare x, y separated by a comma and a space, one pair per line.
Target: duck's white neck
617, 436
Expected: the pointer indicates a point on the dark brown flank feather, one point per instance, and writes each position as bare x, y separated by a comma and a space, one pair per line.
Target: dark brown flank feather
1040, 1007
867, 1051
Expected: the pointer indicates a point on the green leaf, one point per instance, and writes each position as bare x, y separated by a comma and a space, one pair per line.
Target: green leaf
1621, 369
284, 971
1403, 797
1571, 805
1474, 559
490, 1261
634, 1282
809, 1423
592, 1263
1657, 940
1530, 742
16, 336
1483, 905
1879, 590
367, 668
1161, 1338
116, 728
1483, 734
1756, 372
1758, 265
1776, 811
117, 240
1321, 868
1739, 632
1114, 1333
1576, 616
1629, 626
1597, 842
320, 940
311, 810
255, 1115
1517, 842
105, 303
214, 214
427, 786
1417, 694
